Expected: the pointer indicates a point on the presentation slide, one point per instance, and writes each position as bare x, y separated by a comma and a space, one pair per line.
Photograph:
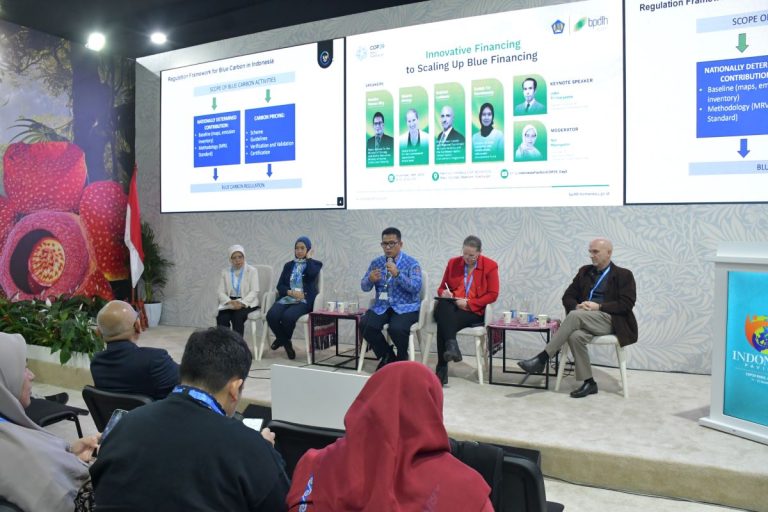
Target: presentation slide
697, 101
256, 132
522, 108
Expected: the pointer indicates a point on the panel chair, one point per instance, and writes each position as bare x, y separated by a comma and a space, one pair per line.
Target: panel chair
621, 355
303, 321
415, 332
479, 332
259, 317
103, 403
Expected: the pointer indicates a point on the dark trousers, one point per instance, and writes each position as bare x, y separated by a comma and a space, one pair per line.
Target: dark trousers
399, 329
282, 319
234, 317
450, 320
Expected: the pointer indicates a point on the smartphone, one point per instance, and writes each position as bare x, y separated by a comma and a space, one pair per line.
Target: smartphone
117, 415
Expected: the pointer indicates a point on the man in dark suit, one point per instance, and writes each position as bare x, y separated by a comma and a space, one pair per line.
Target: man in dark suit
599, 301
380, 141
449, 134
124, 367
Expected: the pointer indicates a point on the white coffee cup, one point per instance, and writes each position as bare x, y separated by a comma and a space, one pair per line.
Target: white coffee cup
341, 307
352, 307
507, 317
331, 305
522, 317
543, 320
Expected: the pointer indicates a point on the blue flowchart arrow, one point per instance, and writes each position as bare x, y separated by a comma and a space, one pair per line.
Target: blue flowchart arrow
215, 174
743, 151
269, 170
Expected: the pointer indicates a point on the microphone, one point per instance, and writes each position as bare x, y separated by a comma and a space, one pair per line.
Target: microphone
390, 259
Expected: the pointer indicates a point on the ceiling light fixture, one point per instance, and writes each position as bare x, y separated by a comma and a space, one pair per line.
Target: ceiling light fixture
158, 38
96, 41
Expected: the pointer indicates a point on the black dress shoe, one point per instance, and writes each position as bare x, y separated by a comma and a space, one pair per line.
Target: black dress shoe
59, 398
588, 388
276, 344
289, 350
532, 365
452, 352
388, 357
442, 374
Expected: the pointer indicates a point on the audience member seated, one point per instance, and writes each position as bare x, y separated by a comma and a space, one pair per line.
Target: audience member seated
40, 472
396, 277
297, 289
599, 301
473, 281
238, 291
187, 452
124, 367
395, 454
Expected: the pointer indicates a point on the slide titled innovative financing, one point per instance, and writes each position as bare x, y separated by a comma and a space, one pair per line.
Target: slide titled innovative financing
522, 108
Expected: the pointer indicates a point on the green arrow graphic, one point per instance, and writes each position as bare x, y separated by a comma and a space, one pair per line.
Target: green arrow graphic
213, 105
268, 96
742, 43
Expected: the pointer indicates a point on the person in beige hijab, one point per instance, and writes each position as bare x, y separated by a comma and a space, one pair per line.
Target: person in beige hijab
41, 472
238, 291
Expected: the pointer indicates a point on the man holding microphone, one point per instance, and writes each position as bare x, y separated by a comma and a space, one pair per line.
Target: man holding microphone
396, 277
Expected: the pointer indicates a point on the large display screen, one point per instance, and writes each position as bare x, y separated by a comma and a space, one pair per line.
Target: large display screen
697, 101
256, 132
521, 108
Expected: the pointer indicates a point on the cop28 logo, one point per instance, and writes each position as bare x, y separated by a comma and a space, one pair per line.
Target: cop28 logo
756, 330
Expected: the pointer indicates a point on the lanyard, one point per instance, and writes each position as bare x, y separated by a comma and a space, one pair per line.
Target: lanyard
200, 397
608, 269
236, 287
468, 285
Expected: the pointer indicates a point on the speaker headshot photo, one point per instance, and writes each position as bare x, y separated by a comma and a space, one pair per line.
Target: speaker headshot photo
380, 141
531, 142
532, 103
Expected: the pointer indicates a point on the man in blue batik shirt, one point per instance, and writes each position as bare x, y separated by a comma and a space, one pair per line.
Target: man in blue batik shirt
397, 280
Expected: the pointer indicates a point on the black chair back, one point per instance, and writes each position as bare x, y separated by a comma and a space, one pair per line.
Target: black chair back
523, 487
102, 403
293, 440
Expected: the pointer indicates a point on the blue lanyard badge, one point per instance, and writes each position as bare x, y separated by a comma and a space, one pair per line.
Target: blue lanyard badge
236, 286
608, 269
201, 397
468, 284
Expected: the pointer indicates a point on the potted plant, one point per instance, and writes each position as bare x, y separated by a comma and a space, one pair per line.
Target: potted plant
62, 324
155, 274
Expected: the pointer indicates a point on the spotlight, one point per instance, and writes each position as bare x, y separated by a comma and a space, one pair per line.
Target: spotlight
158, 38
96, 41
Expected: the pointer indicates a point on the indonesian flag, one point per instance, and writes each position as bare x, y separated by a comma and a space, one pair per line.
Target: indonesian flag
133, 231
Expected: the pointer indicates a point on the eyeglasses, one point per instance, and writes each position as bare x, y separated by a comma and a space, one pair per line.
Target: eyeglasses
470, 256
378, 123
389, 244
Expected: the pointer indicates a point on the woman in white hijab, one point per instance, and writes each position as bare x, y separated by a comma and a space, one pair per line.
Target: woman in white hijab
41, 472
238, 291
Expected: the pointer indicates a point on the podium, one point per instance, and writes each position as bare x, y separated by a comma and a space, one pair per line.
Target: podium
739, 402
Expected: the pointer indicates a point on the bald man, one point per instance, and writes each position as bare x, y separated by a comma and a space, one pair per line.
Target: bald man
598, 301
124, 367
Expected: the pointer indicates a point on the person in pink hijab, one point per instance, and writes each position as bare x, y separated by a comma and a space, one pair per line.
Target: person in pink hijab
395, 455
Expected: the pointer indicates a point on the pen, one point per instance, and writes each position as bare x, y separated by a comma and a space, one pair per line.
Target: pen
447, 289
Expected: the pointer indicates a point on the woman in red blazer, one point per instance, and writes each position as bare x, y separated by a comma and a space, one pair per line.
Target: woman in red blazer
470, 282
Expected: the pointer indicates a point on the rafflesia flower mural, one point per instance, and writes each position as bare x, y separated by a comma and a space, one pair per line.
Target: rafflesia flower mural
57, 234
